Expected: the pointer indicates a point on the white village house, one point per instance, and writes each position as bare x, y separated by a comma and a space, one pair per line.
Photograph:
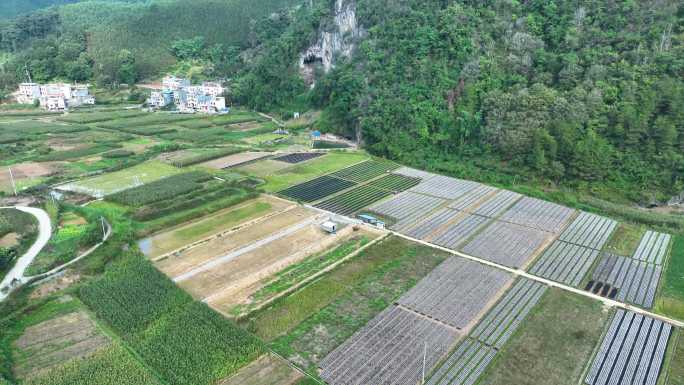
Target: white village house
204, 98
54, 96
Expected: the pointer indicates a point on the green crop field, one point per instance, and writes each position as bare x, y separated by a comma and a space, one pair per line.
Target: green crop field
670, 299
290, 176
310, 323
553, 345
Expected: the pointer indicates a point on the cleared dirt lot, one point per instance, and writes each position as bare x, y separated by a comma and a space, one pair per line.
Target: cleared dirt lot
25, 171
234, 160
267, 370
176, 265
210, 225
56, 341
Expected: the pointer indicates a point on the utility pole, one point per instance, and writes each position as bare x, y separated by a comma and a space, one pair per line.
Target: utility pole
104, 231
14, 186
424, 359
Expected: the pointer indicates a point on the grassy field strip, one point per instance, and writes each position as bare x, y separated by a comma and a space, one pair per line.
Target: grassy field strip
246, 249
315, 276
224, 233
523, 273
273, 186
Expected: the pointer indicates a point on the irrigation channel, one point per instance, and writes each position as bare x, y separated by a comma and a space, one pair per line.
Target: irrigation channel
16, 278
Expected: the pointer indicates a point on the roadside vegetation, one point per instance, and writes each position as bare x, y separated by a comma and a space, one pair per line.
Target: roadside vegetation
671, 296
18, 230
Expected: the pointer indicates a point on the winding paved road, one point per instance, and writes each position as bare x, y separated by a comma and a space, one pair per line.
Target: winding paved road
44, 234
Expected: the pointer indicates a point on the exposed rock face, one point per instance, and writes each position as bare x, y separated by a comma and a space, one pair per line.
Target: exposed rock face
333, 43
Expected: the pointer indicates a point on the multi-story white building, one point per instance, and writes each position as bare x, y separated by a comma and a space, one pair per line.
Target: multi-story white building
189, 99
54, 96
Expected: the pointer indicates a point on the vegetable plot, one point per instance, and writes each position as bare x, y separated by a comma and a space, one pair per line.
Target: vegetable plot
316, 189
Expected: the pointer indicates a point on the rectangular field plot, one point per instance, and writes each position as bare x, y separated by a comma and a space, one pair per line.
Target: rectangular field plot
414, 173
235, 160
299, 157
394, 183
499, 203
464, 365
432, 223
365, 171
626, 279
316, 189
445, 187
589, 230
538, 214
389, 349
473, 198
456, 292
631, 352
506, 243
455, 234
565, 262
653, 247
407, 207
353, 200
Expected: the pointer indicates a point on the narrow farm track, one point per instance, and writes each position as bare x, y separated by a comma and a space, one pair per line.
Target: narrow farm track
522, 273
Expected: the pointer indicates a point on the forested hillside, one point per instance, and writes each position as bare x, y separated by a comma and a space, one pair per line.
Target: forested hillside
586, 94
579, 94
12, 8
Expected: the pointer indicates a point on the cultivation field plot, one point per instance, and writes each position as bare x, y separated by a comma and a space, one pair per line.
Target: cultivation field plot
589, 230
298, 157
434, 222
653, 247
56, 341
445, 187
456, 292
267, 370
210, 225
464, 365
394, 183
407, 207
235, 160
414, 173
391, 348
316, 189
565, 262
180, 263
538, 214
263, 168
188, 157
27, 174
632, 281
353, 200
365, 171
631, 352
121, 180
507, 243
505, 318
497, 204
455, 234
474, 198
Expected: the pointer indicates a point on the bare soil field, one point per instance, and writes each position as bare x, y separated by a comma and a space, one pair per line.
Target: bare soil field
55, 284
220, 285
176, 265
9, 240
56, 341
24, 171
265, 167
220, 222
267, 370
234, 160
276, 257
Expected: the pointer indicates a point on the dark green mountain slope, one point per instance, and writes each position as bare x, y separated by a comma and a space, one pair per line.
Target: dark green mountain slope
12, 8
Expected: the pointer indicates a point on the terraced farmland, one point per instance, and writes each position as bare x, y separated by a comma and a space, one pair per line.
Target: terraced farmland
470, 359
506, 243
565, 262
457, 233
389, 349
589, 230
316, 189
455, 292
299, 157
632, 351
445, 187
538, 214
353, 200
632, 281
499, 203
653, 247
365, 171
